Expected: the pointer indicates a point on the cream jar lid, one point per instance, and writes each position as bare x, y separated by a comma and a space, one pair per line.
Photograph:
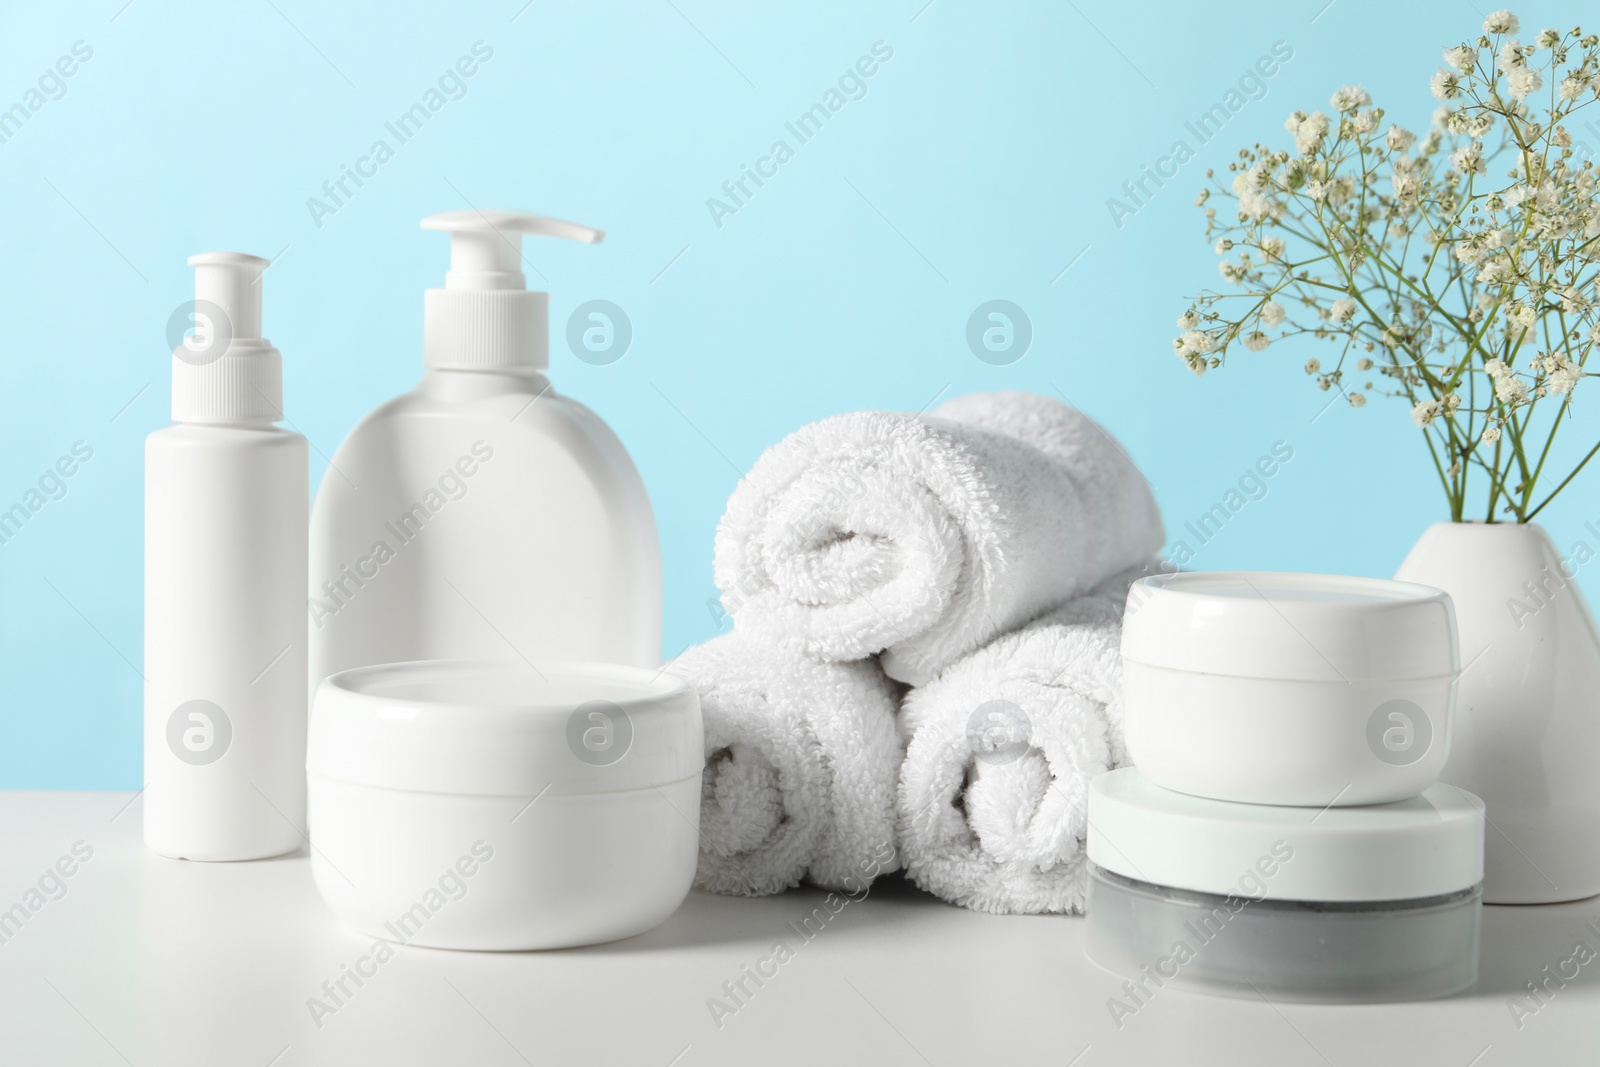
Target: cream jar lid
1302, 627
1426, 846
493, 728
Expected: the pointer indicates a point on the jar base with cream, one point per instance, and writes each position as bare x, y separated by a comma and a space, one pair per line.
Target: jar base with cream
499, 873
1348, 904
504, 807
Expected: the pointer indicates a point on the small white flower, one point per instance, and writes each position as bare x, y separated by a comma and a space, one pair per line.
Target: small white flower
1272, 314
1461, 58
1469, 160
1313, 365
1500, 22
1425, 412
1444, 85
1570, 88
1257, 341
1510, 389
1358, 400
1510, 57
1309, 133
1272, 248
1549, 38
1349, 98
1523, 82
1400, 138
1317, 190
1491, 434
1343, 310
1523, 316
1194, 343
1188, 320
1496, 368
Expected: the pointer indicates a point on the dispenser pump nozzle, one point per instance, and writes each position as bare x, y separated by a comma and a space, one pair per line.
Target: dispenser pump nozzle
485, 318
486, 246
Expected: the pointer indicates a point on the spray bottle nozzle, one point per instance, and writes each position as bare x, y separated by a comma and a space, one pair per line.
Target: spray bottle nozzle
486, 246
232, 282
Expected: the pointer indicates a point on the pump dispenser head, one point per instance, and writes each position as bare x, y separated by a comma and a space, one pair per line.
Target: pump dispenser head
226, 372
485, 318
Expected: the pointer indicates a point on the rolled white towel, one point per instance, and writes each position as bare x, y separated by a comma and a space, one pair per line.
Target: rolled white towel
801, 761
922, 537
993, 795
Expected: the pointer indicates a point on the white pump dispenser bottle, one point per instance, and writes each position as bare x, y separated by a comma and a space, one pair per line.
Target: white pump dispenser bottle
484, 515
225, 557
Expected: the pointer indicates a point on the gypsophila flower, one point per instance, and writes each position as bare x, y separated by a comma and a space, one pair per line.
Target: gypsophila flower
1500, 22
1434, 262
1510, 57
1195, 342
1469, 160
1349, 98
1510, 390
1523, 82
1310, 132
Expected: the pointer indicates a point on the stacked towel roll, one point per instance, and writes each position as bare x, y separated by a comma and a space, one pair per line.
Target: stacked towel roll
875, 546
993, 793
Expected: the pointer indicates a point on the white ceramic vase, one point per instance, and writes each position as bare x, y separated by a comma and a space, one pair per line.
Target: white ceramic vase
1526, 737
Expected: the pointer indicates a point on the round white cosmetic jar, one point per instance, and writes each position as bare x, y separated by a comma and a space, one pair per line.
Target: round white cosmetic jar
1349, 904
503, 805
1289, 688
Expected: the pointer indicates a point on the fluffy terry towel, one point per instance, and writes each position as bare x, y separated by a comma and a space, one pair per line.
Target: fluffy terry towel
993, 793
801, 760
923, 537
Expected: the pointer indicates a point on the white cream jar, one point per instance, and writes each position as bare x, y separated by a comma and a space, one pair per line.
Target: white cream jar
1299, 689
1350, 904
502, 805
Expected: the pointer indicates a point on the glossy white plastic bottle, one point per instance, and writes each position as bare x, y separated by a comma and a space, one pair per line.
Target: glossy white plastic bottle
225, 559
483, 515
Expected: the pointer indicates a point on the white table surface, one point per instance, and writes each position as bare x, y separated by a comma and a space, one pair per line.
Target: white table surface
150, 961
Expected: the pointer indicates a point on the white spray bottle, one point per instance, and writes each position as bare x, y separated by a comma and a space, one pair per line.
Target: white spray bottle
225, 569
483, 515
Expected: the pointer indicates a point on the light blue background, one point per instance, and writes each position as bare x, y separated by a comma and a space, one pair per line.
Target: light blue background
977, 166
